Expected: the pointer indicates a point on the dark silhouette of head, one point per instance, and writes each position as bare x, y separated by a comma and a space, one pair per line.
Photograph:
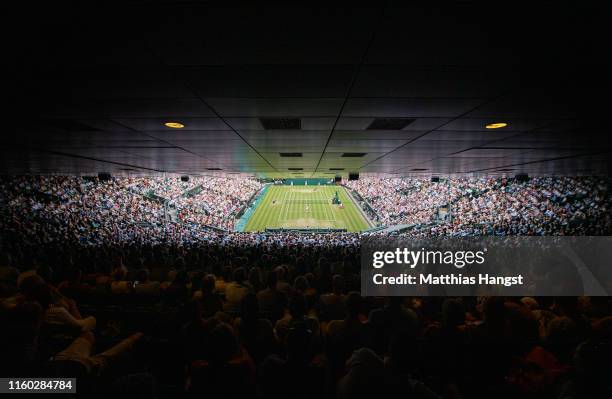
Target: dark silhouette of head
224, 345
272, 279
353, 305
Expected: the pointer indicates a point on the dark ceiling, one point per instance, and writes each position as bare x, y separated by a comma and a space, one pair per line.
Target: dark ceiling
89, 89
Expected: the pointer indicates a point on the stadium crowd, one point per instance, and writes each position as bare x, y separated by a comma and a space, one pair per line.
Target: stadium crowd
91, 212
162, 322
202, 201
216, 201
95, 283
487, 206
94, 212
412, 201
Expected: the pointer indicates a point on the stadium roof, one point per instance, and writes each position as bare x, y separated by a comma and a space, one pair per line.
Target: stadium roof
268, 90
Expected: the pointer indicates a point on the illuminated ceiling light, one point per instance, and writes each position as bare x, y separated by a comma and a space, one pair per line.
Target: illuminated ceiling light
496, 125
174, 125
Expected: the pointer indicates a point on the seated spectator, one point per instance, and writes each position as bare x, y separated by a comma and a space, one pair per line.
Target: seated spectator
296, 374
26, 274
271, 301
228, 370
55, 314
223, 280
364, 377
73, 287
297, 315
170, 276
530, 303
177, 291
494, 321
282, 285
391, 320
300, 284
591, 378
346, 335
452, 326
311, 293
255, 334
143, 286
255, 283
491, 351
332, 306
400, 365
210, 302
324, 276
447, 341
195, 333
235, 291
569, 307
120, 285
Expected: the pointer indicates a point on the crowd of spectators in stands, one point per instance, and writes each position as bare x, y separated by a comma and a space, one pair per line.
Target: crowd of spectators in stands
91, 212
414, 201
216, 201
487, 206
202, 201
94, 284
287, 322
165, 187
67, 209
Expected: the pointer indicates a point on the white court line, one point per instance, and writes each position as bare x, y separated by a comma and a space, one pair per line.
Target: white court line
290, 199
283, 208
306, 204
321, 197
326, 206
289, 210
278, 217
325, 214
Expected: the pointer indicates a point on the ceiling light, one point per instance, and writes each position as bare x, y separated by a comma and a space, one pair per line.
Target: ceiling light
496, 125
174, 125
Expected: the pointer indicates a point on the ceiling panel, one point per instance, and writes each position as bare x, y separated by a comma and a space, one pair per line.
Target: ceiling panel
420, 124
262, 34
428, 82
377, 146
513, 125
147, 108
112, 82
372, 135
92, 93
194, 136
285, 107
157, 124
268, 80
490, 152
409, 107
473, 137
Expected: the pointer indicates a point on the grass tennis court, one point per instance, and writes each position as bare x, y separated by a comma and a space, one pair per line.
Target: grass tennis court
306, 207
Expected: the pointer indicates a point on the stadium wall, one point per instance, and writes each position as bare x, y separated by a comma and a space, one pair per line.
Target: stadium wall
311, 182
242, 222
